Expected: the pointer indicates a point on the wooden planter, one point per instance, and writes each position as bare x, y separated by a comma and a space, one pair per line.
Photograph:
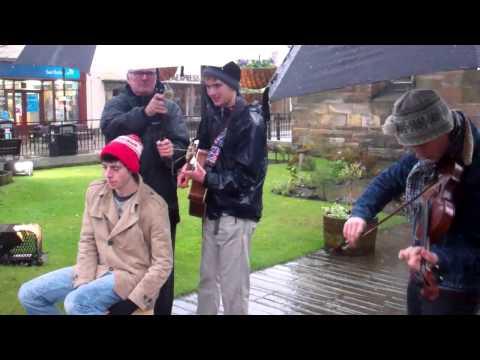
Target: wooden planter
166, 73
333, 237
5, 177
256, 78
251, 97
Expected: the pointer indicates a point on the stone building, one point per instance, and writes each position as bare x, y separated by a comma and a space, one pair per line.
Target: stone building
352, 116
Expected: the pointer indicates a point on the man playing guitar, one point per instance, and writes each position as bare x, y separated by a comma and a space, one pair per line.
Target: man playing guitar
234, 134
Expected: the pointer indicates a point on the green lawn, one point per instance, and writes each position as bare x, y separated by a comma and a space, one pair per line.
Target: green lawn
54, 198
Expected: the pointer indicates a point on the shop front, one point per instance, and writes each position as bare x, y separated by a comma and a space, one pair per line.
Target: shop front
31, 95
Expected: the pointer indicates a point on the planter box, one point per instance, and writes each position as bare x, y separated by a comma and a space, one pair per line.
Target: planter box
5, 177
166, 73
256, 78
333, 237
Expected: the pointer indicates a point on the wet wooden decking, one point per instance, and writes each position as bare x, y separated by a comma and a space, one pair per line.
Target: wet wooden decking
323, 284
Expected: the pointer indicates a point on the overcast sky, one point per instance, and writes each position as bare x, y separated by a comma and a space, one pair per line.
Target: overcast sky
115, 60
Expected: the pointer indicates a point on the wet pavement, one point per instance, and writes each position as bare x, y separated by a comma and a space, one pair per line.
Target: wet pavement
324, 284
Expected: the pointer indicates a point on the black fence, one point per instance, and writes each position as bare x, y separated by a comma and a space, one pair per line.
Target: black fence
70, 138
61, 138
279, 128
192, 125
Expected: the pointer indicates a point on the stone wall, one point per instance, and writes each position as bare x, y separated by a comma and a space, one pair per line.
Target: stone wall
353, 116
460, 89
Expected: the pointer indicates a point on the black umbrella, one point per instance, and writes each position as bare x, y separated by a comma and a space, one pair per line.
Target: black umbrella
74, 56
314, 68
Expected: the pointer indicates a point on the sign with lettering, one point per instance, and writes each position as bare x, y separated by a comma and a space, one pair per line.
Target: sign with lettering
8, 70
32, 102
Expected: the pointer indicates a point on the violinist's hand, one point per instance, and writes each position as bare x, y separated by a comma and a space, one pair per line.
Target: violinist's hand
182, 179
353, 228
414, 254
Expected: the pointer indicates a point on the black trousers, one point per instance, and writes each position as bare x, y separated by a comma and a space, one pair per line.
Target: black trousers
164, 303
447, 303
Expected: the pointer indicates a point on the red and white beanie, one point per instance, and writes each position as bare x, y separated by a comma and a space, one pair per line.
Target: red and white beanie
127, 149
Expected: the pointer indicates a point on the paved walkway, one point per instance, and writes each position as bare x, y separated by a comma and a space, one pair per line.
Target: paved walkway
323, 284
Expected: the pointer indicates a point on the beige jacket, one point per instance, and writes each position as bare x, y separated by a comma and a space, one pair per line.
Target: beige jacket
137, 247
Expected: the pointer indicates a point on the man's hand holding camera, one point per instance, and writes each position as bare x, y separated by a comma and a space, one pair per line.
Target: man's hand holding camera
156, 105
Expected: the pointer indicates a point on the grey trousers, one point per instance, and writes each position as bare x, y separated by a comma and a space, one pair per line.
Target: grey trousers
225, 266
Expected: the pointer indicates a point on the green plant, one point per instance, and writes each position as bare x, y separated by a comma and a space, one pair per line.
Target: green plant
282, 151
337, 167
308, 164
350, 173
337, 211
281, 188
255, 64
294, 179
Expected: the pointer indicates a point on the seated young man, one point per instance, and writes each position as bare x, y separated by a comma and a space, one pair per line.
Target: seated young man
125, 251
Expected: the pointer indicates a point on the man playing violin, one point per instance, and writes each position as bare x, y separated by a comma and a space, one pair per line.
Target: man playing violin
423, 122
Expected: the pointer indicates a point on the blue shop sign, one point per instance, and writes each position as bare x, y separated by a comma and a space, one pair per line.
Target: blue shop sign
32, 102
8, 70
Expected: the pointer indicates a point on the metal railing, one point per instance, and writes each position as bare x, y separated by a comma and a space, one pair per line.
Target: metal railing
44, 140
192, 125
41, 140
280, 127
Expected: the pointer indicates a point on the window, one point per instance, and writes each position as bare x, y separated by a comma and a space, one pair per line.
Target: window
72, 105
47, 85
48, 104
34, 85
3, 105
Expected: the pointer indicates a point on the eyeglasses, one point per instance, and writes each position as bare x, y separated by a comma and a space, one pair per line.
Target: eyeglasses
141, 73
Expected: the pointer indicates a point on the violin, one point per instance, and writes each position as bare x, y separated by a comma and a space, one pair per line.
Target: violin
437, 213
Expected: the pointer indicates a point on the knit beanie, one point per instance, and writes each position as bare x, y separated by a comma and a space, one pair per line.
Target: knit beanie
419, 116
127, 149
230, 74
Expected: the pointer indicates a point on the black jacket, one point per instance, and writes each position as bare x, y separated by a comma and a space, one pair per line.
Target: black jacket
235, 184
124, 114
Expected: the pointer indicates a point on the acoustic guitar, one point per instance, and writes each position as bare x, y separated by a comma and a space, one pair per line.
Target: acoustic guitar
197, 192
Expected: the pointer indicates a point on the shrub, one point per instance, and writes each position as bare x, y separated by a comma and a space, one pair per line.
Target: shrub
337, 167
308, 164
254, 64
337, 211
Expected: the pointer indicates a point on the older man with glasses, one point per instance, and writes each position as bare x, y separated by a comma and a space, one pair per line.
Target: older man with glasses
143, 110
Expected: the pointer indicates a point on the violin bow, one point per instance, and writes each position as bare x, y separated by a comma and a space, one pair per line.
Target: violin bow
344, 245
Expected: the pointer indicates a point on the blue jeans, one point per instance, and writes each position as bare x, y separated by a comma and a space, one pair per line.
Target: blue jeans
39, 296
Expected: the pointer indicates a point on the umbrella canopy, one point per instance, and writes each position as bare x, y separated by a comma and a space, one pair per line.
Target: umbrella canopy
114, 60
78, 56
311, 69
117, 59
